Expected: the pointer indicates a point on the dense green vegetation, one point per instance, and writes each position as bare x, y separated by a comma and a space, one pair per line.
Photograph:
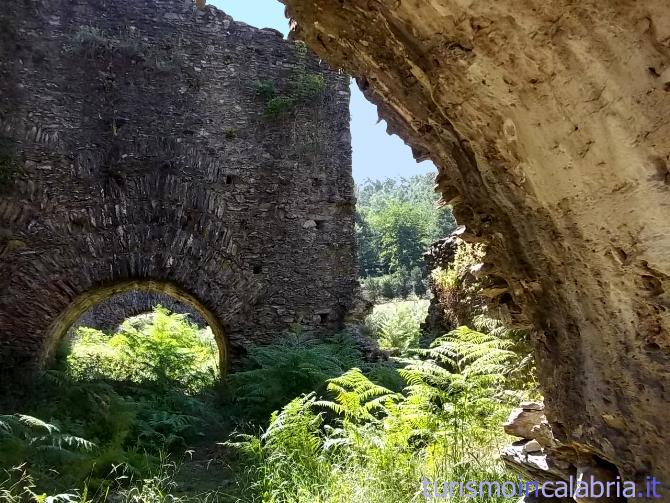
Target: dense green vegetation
306, 420
372, 436
396, 325
143, 416
114, 410
396, 221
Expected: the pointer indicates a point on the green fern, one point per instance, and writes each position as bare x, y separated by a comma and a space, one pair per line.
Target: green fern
40, 434
288, 455
26, 438
292, 366
357, 398
397, 325
474, 352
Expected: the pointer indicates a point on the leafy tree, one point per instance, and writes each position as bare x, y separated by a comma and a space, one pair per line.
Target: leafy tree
396, 220
404, 233
369, 262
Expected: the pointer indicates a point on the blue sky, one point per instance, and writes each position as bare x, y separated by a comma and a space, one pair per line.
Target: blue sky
376, 154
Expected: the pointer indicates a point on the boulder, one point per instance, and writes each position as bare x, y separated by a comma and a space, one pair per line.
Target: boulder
521, 422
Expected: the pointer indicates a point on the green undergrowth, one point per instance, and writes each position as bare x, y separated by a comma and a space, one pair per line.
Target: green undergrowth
397, 324
304, 420
114, 409
364, 438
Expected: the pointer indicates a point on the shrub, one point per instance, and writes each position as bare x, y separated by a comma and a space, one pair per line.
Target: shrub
279, 105
444, 279
303, 86
265, 89
167, 351
309, 85
372, 289
389, 287
397, 325
293, 365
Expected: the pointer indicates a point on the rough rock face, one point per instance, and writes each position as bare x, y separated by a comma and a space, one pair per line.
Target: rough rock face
440, 254
539, 457
548, 122
137, 153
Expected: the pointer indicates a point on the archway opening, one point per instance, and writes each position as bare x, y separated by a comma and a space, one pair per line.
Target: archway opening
140, 319
145, 338
133, 373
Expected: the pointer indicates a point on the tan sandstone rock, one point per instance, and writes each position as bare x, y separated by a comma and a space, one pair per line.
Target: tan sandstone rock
548, 122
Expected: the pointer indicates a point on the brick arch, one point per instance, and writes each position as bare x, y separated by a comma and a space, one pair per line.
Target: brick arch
82, 303
52, 288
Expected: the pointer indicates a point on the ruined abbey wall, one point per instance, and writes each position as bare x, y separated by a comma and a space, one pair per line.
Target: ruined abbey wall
136, 150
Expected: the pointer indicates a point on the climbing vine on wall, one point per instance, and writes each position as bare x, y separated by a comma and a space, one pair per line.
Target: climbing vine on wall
304, 85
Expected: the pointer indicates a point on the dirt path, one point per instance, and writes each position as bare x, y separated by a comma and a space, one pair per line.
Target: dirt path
205, 469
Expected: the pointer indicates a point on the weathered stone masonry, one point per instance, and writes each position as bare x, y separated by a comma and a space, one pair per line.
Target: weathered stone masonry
145, 159
110, 314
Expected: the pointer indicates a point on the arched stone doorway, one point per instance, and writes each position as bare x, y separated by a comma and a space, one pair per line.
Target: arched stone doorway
80, 305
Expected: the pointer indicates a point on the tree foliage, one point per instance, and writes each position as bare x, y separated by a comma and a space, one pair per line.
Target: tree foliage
396, 221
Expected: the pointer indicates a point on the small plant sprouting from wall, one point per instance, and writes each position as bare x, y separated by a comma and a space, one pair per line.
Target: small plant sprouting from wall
93, 42
304, 86
266, 89
279, 105
8, 162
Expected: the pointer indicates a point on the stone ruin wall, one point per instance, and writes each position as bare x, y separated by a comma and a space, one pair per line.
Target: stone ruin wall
548, 122
138, 152
108, 315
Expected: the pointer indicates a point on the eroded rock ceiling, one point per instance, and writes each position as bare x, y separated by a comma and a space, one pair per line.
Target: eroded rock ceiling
548, 122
